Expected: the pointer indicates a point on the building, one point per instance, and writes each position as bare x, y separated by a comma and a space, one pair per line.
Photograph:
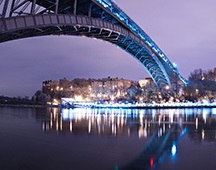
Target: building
105, 89
150, 91
146, 82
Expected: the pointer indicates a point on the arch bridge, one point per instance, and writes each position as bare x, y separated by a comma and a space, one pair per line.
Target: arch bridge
100, 19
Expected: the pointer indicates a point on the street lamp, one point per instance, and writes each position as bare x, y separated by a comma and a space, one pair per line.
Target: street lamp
167, 87
167, 92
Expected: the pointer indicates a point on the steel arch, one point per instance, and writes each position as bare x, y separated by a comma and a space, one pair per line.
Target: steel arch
101, 19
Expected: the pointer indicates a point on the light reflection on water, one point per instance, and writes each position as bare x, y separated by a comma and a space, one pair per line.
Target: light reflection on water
119, 137
122, 121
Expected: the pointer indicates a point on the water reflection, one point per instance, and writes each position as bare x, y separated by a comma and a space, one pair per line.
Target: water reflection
102, 122
143, 123
162, 128
118, 138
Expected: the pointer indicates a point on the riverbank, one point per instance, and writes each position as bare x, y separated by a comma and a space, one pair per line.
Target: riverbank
151, 107
118, 106
145, 106
27, 105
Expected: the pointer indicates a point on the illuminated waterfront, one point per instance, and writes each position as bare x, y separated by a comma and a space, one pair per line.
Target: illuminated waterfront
84, 138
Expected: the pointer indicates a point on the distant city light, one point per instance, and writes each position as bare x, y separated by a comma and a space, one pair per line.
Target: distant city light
214, 111
205, 101
78, 98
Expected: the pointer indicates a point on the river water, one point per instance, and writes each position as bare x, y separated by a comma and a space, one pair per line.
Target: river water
112, 139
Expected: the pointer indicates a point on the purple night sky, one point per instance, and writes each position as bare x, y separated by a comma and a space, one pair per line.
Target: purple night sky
184, 30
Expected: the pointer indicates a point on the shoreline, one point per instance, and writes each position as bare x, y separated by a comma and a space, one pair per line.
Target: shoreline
142, 106
111, 106
153, 107
27, 105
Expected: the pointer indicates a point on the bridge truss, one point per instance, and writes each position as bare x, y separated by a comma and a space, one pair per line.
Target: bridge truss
101, 19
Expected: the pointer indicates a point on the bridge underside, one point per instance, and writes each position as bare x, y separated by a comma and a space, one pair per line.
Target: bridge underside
83, 18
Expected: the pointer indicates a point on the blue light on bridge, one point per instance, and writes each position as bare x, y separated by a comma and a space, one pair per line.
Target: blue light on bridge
130, 23
175, 65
